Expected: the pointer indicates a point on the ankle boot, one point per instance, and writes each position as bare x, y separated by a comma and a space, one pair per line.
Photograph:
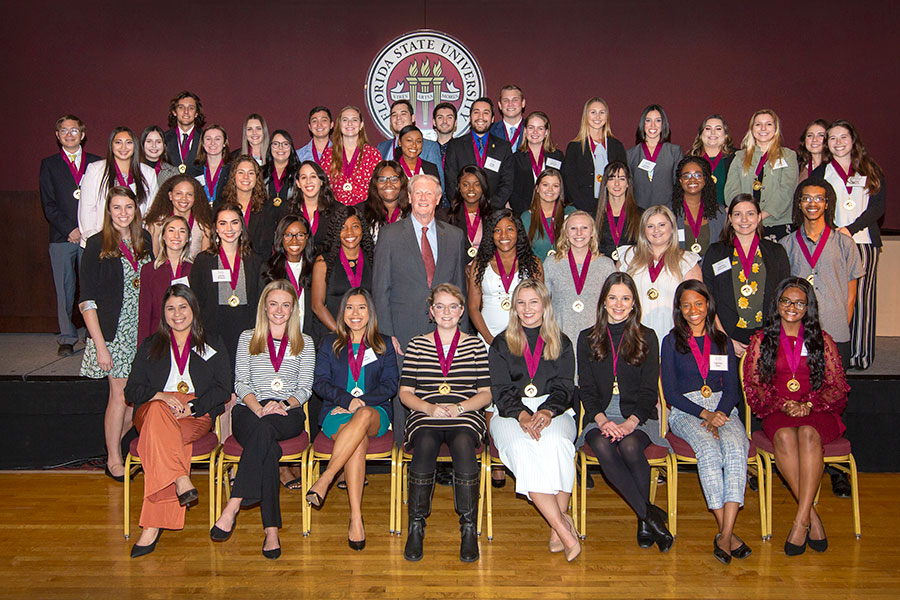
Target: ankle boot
658, 522
421, 486
465, 500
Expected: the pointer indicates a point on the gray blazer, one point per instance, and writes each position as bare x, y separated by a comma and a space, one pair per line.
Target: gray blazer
659, 191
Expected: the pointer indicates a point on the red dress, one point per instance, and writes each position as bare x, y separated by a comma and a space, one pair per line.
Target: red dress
358, 180
767, 398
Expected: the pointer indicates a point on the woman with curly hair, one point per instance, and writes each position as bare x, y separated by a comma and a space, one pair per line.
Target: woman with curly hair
388, 200
315, 201
246, 188
182, 196
470, 207
794, 382
346, 263
698, 215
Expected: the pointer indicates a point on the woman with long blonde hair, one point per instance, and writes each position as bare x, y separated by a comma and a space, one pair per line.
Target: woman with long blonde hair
350, 160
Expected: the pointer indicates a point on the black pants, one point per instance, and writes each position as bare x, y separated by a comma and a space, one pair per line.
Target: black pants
625, 466
427, 443
257, 475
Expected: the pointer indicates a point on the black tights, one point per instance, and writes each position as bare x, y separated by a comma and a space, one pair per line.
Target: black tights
427, 443
625, 466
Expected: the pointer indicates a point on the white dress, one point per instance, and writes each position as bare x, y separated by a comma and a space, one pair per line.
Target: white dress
657, 314
492, 295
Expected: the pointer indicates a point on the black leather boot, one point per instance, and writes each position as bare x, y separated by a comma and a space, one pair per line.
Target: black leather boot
645, 536
465, 500
421, 486
656, 519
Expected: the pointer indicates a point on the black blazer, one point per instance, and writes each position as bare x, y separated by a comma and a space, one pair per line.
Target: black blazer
288, 189
262, 226
173, 150
461, 153
429, 168
578, 172
777, 269
103, 282
212, 378
523, 179
57, 186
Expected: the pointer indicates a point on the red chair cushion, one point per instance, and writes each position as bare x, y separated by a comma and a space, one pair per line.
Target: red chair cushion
204, 445
838, 447
444, 452
294, 445
379, 445
684, 450
651, 452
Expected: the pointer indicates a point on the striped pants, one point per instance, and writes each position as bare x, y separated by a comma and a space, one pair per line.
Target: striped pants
862, 326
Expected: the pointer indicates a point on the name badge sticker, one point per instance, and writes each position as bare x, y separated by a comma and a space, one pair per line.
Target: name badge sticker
492, 164
718, 362
721, 266
221, 275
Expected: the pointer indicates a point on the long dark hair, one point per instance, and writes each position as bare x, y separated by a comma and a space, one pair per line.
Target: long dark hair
373, 211
812, 335
111, 236
374, 340
830, 201
728, 231
332, 250
632, 212
243, 241
682, 330
326, 195
529, 264
293, 164
164, 157
134, 166
161, 342
804, 155
202, 157
633, 348
458, 204
859, 157
664, 136
258, 194
276, 267
707, 195
536, 228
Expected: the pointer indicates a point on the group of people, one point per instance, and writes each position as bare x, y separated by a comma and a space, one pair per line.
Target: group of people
483, 299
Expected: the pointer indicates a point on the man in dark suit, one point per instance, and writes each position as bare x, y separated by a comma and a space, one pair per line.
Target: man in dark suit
186, 120
60, 181
510, 127
412, 256
402, 115
493, 153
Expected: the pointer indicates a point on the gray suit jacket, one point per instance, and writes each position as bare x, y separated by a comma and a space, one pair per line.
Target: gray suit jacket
659, 191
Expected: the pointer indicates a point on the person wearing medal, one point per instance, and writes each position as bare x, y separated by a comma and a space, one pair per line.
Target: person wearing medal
182, 196
827, 259
60, 180
532, 365
537, 153
350, 160
858, 183
186, 119
653, 159
320, 125
699, 376
280, 170
346, 264
813, 148
548, 209
699, 218
172, 265
766, 169
410, 159
658, 265
315, 201
445, 384
153, 153
618, 215
122, 167
618, 371
713, 143
403, 115
292, 260
588, 155
254, 139
179, 383
575, 274
246, 188
356, 377
388, 199
742, 270
273, 378
214, 160
795, 383
470, 209
110, 286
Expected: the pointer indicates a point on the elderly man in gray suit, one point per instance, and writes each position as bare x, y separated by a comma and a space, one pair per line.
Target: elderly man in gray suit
412, 256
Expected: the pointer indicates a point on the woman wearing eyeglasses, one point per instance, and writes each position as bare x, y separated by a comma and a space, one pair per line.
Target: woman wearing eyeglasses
388, 200
699, 216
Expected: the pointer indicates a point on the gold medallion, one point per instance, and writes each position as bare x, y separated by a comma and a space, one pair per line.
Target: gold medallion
277, 385
531, 390
551, 252
600, 178
652, 293
715, 179
578, 306
233, 301
849, 204
811, 278
348, 187
615, 390
757, 185
615, 255
706, 391
183, 387
506, 304
650, 176
136, 282
472, 251
77, 194
182, 168
444, 389
276, 202
356, 392
746, 290
696, 248
793, 385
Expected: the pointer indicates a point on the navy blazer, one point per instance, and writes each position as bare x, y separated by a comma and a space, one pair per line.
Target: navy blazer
523, 179
57, 186
578, 172
172, 138
461, 152
499, 129
382, 378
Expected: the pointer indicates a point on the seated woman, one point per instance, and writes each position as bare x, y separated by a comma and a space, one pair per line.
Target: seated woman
171, 266
795, 384
180, 381
273, 377
700, 382
532, 367
445, 383
356, 378
619, 400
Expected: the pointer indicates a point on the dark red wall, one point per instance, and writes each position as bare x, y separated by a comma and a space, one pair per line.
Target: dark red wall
120, 63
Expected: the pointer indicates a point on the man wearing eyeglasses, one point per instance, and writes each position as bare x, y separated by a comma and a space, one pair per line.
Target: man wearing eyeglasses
60, 185
186, 119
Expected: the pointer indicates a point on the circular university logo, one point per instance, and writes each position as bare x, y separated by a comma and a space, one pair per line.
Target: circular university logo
425, 67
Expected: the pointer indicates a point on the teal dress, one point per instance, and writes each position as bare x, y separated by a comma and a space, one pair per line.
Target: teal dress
541, 243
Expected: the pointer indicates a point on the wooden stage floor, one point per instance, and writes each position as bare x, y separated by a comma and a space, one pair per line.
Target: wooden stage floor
61, 537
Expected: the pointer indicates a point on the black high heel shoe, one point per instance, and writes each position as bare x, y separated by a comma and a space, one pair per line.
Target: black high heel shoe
357, 545
656, 519
793, 549
817, 545
189, 498
116, 478
272, 554
138, 551
217, 534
